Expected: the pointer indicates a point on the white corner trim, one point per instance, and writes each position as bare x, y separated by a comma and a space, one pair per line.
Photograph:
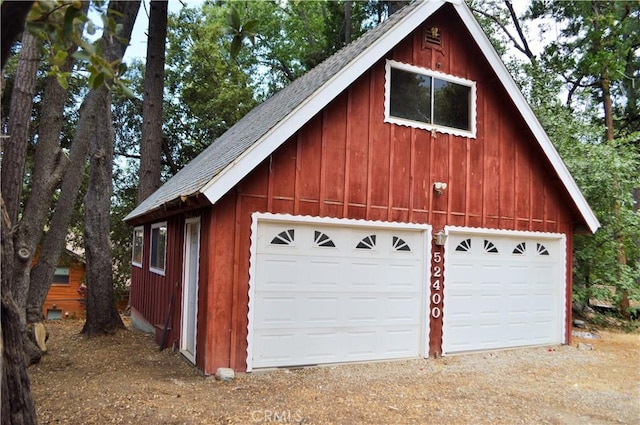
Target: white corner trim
253, 249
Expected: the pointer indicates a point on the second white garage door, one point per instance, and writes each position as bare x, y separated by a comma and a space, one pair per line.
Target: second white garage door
335, 293
502, 290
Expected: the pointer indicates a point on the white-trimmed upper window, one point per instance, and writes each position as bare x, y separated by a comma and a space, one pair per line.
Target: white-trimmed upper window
138, 246
421, 98
158, 249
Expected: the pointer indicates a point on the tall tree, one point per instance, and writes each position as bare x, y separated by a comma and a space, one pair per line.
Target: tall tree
151, 145
596, 51
52, 165
102, 315
15, 391
15, 148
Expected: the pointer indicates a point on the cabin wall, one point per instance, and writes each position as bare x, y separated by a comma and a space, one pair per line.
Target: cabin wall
151, 293
347, 163
65, 297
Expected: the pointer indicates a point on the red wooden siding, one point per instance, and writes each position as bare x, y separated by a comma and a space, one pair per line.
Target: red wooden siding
151, 292
346, 162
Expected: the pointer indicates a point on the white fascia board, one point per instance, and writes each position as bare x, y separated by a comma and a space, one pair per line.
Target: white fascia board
274, 138
532, 121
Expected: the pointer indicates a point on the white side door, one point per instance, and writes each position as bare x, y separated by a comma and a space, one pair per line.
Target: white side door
190, 289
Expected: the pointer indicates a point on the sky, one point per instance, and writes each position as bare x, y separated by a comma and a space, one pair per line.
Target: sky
138, 46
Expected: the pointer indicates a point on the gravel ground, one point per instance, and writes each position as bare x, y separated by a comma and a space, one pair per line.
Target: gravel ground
124, 379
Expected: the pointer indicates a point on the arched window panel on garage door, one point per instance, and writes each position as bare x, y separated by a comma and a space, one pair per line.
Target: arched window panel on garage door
400, 245
464, 246
489, 247
368, 242
321, 239
521, 248
286, 237
542, 250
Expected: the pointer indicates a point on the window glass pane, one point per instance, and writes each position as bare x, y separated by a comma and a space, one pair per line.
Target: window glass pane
61, 275
137, 246
410, 96
162, 243
54, 314
158, 246
451, 104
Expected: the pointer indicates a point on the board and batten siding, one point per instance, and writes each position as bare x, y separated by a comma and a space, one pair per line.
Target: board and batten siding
347, 163
151, 293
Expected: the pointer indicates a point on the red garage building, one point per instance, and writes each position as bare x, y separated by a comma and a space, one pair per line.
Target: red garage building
399, 200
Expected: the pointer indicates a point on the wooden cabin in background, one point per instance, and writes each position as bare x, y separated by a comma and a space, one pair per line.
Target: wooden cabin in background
66, 299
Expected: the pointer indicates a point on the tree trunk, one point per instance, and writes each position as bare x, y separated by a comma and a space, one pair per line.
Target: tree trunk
348, 6
17, 402
13, 162
395, 5
151, 145
102, 315
52, 165
605, 84
15, 145
17, 263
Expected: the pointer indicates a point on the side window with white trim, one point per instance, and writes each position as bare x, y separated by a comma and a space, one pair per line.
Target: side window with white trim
158, 249
137, 246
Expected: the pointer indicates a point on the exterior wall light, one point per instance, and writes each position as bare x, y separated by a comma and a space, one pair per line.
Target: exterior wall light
440, 238
439, 187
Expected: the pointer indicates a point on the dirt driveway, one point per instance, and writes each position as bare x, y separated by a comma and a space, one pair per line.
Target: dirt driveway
124, 379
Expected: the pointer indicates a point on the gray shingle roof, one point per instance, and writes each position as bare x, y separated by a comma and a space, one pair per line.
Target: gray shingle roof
223, 151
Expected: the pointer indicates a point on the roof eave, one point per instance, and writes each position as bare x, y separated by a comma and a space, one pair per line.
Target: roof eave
174, 206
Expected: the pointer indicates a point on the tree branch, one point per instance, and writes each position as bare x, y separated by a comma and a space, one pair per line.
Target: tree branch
167, 155
516, 23
504, 29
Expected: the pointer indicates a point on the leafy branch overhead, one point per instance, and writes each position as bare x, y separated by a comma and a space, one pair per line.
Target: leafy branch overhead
239, 31
66, 30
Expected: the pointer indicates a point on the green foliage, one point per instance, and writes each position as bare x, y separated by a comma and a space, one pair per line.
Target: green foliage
598, 42
590, 59
61, 25
607, 174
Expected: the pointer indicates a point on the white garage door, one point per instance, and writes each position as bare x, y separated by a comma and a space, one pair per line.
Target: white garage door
326, 294
503, 290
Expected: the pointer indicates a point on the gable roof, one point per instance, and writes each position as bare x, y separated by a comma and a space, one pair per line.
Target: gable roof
259, 133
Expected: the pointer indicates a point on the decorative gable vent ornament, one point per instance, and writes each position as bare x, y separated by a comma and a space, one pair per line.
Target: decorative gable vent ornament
432, 35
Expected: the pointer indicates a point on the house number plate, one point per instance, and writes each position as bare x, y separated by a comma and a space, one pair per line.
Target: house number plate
436, 297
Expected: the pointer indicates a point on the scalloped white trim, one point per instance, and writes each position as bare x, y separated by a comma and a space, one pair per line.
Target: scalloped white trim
257, 217
473, 107
561, 238
503, 232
